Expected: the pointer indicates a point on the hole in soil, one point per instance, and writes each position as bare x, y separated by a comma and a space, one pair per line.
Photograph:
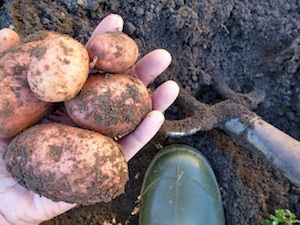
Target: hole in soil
1, 3
208, 95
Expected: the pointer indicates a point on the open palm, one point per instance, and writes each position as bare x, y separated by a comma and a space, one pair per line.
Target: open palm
19, 206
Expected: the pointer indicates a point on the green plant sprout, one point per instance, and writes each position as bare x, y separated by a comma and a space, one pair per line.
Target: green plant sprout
281, 217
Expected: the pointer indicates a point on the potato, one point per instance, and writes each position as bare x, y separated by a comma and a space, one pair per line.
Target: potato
58, 69
8, 39
19, 108
112, 52
69, 164
111, 104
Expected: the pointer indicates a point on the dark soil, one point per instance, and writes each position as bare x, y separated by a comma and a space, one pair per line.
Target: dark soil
245, 45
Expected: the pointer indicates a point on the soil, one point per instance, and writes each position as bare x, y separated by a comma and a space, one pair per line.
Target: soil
244, 45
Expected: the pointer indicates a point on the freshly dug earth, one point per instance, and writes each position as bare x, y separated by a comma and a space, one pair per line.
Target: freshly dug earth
245, 45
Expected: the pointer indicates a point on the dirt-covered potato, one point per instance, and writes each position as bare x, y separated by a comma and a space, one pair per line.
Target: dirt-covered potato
69, 164
8, 39
112, 52
19, 108
111, 104
58, 68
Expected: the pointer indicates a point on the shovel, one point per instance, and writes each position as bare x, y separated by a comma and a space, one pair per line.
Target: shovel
244, 127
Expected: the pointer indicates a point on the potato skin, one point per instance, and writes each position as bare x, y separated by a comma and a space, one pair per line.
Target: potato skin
19, 108
69, 164
58, 69
8, 39
112, 52
111, 104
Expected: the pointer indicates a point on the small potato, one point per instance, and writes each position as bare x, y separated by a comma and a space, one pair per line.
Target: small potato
69, 164
19, 108
58, 69
111, 104
112, 52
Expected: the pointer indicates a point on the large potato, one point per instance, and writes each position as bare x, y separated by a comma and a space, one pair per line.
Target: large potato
112, 52
69, 164
19, 108
58, 68
111, 104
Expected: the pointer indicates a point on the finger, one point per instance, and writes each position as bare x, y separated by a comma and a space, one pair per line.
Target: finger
151, 65
111, 22
48, 209
3, 221
59, 115
134, 141
8, 39
165, 95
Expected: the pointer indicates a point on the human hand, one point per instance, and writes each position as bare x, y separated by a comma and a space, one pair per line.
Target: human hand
19, 206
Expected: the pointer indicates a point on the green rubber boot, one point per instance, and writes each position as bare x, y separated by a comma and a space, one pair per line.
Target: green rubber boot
180, 188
